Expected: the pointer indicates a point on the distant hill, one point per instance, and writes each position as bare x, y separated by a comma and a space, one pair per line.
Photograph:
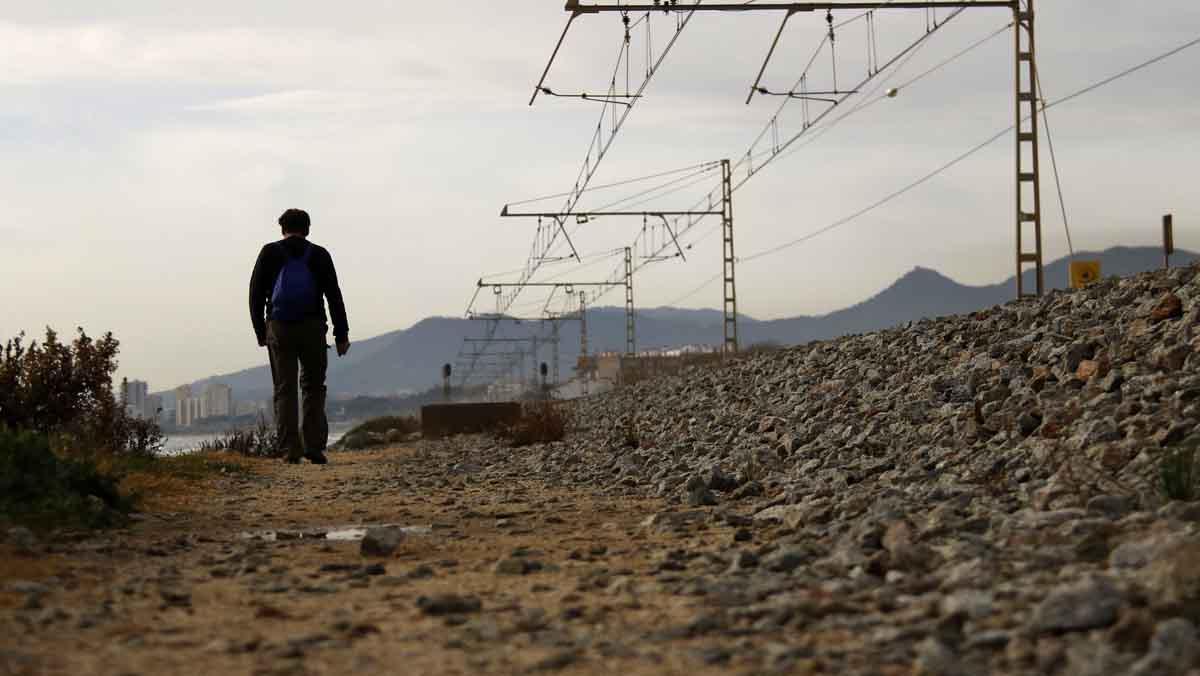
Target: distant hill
411, 359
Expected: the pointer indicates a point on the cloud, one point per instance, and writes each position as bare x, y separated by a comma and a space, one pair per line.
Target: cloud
235, 55
151, 150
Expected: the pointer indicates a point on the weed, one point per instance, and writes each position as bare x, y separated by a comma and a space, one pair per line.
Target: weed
540, 422
632, 437
751, 468
259, 442
1180, 474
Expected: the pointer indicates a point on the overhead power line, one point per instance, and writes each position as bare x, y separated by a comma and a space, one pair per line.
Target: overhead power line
952, 163
617, 184
778, 150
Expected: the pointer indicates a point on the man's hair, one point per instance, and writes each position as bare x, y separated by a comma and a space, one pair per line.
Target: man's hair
295, 221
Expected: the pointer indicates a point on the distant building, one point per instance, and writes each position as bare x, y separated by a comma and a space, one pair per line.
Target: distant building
218, 401
244, 408
192, 410
133, 396
183, 410
154, 407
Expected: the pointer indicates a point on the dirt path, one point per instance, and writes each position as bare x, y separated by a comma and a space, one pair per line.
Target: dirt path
585, 587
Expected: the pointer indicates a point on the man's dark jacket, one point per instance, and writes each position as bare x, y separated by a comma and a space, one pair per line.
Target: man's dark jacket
262, 284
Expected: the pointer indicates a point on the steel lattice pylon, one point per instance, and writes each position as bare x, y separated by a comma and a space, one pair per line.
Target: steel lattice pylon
1029, 188
630, 336
730, 260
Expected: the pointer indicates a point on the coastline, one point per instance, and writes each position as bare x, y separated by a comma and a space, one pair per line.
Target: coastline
180, 444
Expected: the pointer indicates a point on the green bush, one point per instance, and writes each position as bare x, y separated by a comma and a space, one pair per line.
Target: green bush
40, 488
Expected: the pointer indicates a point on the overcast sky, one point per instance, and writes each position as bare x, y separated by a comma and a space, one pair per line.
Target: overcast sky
147, 147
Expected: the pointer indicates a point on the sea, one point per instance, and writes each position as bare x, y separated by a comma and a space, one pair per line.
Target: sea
179, 444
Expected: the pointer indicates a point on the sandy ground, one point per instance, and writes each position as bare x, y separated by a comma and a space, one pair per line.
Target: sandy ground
187, 591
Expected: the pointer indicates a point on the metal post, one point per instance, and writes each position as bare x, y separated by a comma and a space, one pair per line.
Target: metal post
583, 342
730, 287
1168, 240
533, 361
554, 365
630, 337
1029, 189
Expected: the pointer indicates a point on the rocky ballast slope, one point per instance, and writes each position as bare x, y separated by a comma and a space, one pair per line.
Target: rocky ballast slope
974, 494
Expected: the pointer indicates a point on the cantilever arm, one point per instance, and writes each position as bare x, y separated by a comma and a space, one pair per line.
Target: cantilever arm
615, 99
770, 53
567, 235
541, 82
673, 238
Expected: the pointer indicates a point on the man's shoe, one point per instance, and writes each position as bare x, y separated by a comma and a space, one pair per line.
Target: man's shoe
292, 460
317, 458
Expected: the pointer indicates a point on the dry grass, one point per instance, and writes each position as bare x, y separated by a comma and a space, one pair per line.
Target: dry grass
16, 566
541, 422
170, 484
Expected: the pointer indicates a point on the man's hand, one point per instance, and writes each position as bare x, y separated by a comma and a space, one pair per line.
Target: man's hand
343, 346
262, 342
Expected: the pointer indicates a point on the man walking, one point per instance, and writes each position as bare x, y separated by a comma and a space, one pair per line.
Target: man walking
291, 279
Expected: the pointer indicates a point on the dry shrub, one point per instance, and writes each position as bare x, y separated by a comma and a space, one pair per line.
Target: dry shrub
64, 390
540, 422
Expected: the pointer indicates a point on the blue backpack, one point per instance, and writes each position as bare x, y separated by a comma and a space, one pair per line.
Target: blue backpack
295, 293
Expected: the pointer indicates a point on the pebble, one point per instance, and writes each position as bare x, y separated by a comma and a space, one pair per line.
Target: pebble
448, 604
381, 542
1088, 604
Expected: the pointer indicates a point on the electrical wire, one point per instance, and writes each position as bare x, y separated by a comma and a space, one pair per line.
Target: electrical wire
588, 169
957, 160
577, 269
626, 203
912, 186
703, 285
702, 172
1125, 73
584, 257
871, 99
899, 63
1054, 163
601, 146
617, 184
781, 148
875, 205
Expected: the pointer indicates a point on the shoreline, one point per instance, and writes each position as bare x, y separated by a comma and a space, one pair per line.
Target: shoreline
181, 444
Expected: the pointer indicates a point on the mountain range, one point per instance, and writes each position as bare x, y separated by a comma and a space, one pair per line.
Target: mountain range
411, 359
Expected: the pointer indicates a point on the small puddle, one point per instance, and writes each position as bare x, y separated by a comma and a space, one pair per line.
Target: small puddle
335, 533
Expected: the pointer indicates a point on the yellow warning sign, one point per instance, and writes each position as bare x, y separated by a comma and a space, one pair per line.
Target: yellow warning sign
1084, 273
